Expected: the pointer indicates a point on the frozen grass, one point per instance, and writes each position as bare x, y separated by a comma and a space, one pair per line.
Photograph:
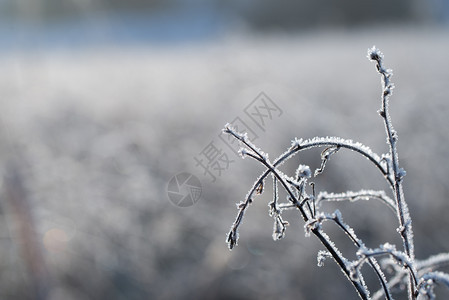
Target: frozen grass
97, 134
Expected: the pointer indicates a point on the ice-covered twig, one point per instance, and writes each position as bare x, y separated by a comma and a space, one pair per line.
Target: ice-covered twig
257, 154
274, 205
254, 152
338, 219
334, 143
279, 227
400, 274
232, 236
428, 280
433, 262
395, 281
342, 262
405, 221
400, 258
300, 145
355, 196
325, 155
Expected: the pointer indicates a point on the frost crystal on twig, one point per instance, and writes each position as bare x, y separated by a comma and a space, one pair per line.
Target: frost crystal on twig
356, 196
321, 257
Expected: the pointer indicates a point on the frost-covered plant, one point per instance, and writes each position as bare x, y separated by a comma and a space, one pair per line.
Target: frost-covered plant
417, 276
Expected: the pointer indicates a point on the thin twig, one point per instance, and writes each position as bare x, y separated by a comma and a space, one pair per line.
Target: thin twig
405, 222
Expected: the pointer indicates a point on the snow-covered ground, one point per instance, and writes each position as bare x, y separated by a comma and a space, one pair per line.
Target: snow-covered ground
94, 136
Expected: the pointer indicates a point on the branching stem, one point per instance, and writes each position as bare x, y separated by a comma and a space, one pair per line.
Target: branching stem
406, 269
405, 222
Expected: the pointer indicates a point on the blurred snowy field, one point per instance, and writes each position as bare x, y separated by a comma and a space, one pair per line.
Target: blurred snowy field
91, 137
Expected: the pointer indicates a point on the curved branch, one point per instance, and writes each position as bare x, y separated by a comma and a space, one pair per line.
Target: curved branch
387, 249
347, 144
355, 196
433, 262
428, 280
338, 219
405, 222
232, 238
324, 239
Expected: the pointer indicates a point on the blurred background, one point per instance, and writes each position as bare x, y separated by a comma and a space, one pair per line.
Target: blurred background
106, 105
